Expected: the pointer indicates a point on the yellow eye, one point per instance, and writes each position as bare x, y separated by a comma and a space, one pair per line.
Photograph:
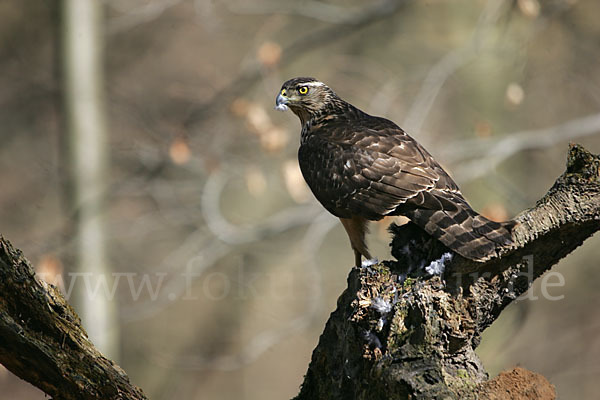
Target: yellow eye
303, 89
283, 92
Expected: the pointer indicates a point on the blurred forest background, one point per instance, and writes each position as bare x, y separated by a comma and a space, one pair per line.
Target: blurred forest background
226, 268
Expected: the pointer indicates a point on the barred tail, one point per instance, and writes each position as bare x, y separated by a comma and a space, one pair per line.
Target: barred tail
464, 231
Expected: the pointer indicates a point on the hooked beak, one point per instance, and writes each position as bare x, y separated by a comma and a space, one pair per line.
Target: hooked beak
281, 102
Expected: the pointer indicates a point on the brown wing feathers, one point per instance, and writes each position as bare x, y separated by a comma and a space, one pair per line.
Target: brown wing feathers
360, 166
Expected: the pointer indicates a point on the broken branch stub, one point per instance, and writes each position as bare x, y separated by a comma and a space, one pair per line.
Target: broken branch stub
42, 340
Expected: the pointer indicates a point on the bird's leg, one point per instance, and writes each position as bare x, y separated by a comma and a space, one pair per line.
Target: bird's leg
357, 259
356, 228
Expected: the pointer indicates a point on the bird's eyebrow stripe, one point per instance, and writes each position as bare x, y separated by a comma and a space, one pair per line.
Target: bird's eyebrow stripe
313, 84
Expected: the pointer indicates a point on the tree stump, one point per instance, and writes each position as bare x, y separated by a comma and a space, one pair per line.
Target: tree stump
408, 329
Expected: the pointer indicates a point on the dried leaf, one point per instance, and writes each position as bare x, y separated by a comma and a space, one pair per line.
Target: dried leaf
294, 182
179, 151
239, 107
514, 94
274, 139
495, 212
529, 8
483, 129
50, 270
269, 54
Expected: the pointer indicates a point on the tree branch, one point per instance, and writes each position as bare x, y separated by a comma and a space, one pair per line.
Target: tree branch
398, 332
43, 342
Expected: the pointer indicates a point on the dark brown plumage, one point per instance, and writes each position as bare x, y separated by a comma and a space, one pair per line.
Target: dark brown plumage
362, 168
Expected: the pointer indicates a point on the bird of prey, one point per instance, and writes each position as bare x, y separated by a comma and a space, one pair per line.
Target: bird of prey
362, 168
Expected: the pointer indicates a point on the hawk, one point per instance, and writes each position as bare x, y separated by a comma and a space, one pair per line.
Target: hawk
362, 168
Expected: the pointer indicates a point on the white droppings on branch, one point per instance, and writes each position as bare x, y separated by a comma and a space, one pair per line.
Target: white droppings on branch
437, 267
381, 305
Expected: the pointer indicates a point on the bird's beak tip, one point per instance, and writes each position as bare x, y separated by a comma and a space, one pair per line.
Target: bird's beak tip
281, 103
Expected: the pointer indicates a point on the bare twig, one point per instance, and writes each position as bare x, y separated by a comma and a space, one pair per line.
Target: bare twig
265, 340
478, 157
449, 64
234, 234
131, 17
311, 9
310, 42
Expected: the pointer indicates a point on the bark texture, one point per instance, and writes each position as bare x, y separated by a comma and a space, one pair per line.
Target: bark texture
43, 342
398, 332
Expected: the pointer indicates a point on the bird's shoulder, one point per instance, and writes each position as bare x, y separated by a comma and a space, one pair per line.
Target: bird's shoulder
356, 132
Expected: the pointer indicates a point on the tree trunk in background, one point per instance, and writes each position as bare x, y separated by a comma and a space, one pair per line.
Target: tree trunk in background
82, 64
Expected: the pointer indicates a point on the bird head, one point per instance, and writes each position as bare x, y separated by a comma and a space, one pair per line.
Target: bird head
306, 97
